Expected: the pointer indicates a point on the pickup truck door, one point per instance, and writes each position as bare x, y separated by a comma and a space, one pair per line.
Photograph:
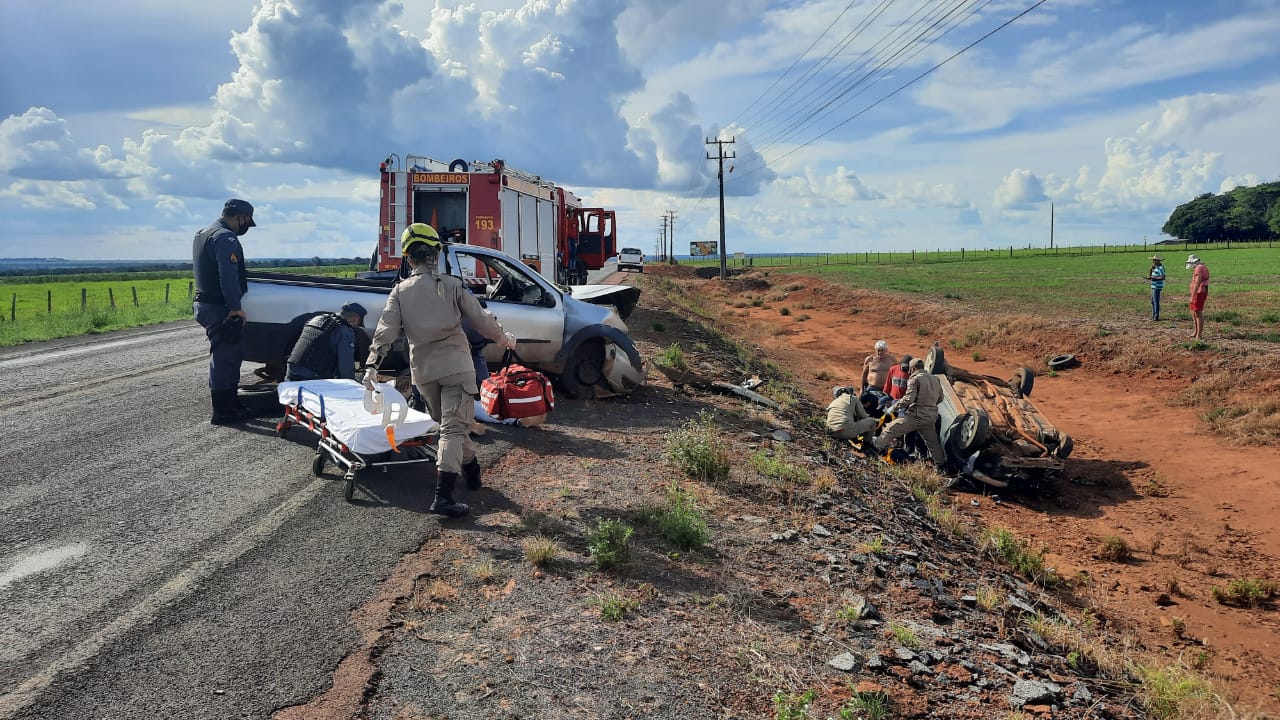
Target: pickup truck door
526, 307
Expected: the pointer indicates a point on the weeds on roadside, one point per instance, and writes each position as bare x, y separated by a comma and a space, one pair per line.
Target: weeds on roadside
1173, 693
872, 546
1001, 544
482, 570
789, 706
697, 449
673, 357
610, 543
679, 519
615, 607
825, 375
922, 332
904, 635
541, 550
1244, 592
978, 356
849, 615
776, 467
866, 706
784, 311
988, 597
1115, 549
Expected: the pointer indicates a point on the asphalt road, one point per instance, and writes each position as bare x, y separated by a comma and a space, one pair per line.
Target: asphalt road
154, 566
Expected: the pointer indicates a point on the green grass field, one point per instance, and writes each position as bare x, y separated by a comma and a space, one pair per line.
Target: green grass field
46, 307
1245, 285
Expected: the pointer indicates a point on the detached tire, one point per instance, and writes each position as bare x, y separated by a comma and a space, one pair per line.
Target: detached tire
935, 361
1023, 381
584, 370
260, 399
1062, 362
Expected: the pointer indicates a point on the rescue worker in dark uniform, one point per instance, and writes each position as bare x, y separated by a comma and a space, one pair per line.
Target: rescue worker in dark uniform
217, 262
327, 346
429, 308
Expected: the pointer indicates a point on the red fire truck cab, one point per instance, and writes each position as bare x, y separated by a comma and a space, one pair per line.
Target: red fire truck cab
489, 204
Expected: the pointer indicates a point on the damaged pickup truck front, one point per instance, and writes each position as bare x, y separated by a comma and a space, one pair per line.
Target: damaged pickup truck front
574, 334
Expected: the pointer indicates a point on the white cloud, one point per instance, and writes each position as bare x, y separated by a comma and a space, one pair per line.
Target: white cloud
37, 145
1021, 189
1192, 113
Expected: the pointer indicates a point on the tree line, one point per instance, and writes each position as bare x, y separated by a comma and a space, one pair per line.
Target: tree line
1246, 213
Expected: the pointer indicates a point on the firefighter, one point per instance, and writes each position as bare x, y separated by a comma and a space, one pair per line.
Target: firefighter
217, 262
850, 418
327, 346
918, 411
430, 307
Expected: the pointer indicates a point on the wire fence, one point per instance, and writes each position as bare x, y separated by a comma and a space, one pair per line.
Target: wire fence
970, 255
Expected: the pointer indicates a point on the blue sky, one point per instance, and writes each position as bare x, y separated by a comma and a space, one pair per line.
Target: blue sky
121, 133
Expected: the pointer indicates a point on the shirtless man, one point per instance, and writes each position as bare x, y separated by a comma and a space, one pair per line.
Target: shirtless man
875, 369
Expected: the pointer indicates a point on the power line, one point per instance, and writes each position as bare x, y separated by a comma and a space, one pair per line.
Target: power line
902, 87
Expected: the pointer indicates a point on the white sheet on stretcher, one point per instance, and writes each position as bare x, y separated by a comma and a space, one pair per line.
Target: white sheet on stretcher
346, 418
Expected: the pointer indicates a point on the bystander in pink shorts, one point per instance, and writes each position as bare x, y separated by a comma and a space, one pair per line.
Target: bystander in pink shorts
1197, 301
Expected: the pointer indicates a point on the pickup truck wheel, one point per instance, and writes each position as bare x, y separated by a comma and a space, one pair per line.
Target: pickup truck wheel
935, 361
584, 370
975, 433
1065, 446
1023, 380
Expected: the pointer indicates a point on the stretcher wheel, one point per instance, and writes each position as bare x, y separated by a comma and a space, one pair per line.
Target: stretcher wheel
349, 489
317, 464
281, 429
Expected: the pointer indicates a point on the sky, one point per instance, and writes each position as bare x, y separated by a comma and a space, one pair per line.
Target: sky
859, 125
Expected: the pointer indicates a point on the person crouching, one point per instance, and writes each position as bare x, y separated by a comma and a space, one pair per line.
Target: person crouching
327, 346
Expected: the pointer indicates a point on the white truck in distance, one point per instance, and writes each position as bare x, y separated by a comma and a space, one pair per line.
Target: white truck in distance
631, 259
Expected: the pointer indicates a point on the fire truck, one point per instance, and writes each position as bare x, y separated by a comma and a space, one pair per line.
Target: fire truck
494, 206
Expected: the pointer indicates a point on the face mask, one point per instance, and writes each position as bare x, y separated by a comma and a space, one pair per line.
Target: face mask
244, 228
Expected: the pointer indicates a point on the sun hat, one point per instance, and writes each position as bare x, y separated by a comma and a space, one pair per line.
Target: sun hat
1192, 260
1157, 258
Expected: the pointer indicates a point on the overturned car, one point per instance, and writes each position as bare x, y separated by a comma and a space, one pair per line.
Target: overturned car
574, 334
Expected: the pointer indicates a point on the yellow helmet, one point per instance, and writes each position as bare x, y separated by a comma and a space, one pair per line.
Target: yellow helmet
419, 233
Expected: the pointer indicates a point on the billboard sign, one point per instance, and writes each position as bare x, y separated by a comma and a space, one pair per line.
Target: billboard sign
704, 248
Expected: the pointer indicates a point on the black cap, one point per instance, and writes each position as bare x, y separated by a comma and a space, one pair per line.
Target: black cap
356, 308
237, 206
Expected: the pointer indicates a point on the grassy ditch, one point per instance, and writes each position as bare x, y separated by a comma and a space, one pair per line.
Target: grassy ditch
46, 307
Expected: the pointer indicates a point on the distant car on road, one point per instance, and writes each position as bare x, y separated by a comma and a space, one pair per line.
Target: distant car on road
631, 259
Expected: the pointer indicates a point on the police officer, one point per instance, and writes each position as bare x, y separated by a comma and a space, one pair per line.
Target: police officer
327, 346
429, 308
918, 411
217, 261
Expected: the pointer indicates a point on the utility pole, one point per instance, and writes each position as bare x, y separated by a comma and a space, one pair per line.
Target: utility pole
720, 157
1050, 226
662, 255
671, 237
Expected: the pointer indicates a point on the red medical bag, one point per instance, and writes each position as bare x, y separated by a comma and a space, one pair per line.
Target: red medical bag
516, 391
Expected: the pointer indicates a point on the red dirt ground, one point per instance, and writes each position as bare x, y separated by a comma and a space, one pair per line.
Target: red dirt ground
1196, 512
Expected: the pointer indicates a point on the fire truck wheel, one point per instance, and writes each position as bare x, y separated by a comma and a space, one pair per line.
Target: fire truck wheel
584, 369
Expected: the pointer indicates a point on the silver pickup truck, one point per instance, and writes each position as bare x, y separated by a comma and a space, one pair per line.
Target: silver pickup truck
575, 334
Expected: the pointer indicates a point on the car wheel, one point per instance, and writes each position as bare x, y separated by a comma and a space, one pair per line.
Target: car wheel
935, 361
1023, 380
975, 433
1065, 446
584, 370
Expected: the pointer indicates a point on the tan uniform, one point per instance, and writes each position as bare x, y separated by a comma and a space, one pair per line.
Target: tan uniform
918, 411
429, 308
875, 370
847, 419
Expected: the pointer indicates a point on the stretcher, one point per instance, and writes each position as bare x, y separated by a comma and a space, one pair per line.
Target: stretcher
357, 429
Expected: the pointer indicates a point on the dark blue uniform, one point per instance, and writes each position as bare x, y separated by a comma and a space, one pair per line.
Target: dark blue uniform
218, 265
325, 349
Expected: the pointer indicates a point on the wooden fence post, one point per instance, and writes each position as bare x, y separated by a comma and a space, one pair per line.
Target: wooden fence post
112, 297
962, 253
84, 299
13, 307
190, 284
166, 293
134, 290
49, 299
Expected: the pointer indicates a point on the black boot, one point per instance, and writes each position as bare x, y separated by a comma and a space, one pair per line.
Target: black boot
444, 504
226, 408
471, 471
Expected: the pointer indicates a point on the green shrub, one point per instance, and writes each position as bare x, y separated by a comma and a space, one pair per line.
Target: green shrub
616, 607
1115, 549
673, 357
866, 706
784, 311
1245, 592
788, 706
777, 467
610, 543
697, 449
680, 520
659, 327
1001, 544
